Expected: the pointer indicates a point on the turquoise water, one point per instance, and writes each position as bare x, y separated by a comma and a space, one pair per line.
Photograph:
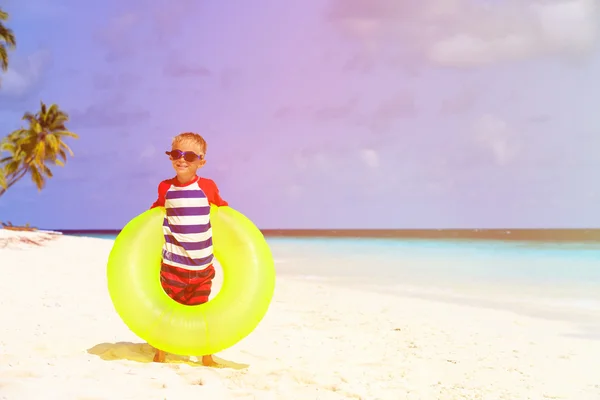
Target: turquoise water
438, 260
110, 237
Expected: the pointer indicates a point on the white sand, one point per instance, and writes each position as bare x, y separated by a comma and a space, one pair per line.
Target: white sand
61, 339
24, 239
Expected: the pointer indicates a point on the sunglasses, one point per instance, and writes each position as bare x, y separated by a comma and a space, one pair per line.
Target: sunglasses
188, 156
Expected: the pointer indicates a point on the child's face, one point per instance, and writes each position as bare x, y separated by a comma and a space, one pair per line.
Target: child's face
185, 167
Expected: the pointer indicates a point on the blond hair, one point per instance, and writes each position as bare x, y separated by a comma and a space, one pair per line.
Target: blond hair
190, 137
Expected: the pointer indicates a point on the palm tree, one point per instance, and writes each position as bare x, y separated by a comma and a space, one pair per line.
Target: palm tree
7, 40
2, 179
31, 149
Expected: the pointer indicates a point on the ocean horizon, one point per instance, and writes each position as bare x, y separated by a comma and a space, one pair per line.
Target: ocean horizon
502, 234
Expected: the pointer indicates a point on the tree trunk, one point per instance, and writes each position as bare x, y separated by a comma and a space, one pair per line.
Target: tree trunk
14, 179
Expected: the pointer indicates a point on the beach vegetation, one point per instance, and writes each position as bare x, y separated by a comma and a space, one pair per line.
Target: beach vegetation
7, 40
33, 149
9, 226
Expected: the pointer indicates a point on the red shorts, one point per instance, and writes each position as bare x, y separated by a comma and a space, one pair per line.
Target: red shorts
187, 287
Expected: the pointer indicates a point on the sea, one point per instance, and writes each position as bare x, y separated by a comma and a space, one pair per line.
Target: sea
557, 280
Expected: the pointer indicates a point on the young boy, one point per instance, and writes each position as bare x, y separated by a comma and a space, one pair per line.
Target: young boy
187, 271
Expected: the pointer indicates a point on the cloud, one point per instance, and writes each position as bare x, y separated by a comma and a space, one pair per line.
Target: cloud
111, 113
305, 158
385, 115
466, 33
370, 158
401, 105
151, 24
168, 17
440, 187
359, 63
335, 163
148, 152
540, 118
494, 135
25, 74
462, 102
284, 112
336, 112
120, 81
39, 9
294, 191
184, 70
230, 77
119, 36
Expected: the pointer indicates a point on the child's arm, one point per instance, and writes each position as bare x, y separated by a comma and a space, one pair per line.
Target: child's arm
162, 191
209, 187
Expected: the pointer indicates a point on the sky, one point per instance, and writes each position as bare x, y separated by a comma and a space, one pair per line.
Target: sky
318, 114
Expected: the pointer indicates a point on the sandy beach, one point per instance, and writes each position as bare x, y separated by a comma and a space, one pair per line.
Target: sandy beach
60, 338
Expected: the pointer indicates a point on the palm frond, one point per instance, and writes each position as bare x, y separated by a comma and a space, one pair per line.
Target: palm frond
3, 57
66, 148
36, 146
62, 154
37, 177
7, 40
12, 168
46, 171
65, 133
7, 36
53, 142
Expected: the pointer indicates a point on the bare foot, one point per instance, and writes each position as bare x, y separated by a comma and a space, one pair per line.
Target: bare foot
159, 356
208, 361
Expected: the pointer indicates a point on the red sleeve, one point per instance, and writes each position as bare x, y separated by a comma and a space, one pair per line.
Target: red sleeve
163, 187
209, 187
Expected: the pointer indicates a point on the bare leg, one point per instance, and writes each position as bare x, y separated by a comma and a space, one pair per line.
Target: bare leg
159, 356
208, 361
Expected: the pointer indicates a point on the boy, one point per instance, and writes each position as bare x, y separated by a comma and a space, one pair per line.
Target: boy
187, 271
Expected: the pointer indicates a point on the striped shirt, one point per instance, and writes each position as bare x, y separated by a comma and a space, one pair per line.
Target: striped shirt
186, 226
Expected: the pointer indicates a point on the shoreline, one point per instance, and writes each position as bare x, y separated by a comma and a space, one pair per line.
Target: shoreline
551, 301
318, 340
587, 235
550, 305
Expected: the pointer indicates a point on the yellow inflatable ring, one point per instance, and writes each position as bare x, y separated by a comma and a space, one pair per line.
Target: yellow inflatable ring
133, 274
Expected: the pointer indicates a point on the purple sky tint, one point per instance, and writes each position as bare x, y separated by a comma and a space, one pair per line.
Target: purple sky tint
318, 114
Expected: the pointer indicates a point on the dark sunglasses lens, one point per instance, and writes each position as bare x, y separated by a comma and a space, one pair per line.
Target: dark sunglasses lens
175, 154
190, 157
